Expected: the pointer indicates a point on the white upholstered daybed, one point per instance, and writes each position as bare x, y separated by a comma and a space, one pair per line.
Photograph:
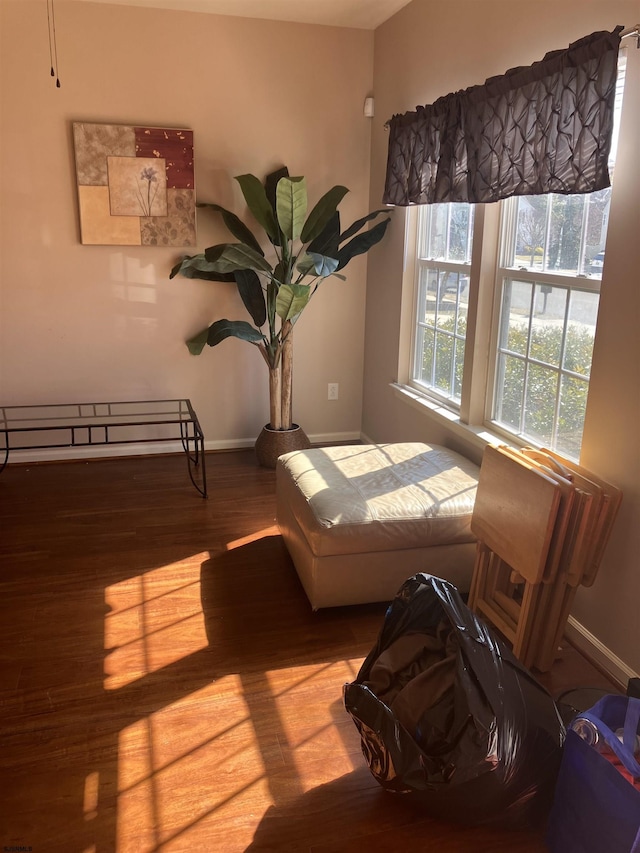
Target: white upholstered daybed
358, 520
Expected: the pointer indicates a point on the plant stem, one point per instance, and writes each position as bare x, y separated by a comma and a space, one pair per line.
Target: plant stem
287, 374
275, 389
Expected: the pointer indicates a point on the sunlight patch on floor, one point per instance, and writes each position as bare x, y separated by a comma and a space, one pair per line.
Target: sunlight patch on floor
217, 749
190, 770
185, 764
315, 736
155, 619
274, 530
90, 804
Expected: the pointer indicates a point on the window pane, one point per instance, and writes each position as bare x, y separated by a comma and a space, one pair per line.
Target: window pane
573, 404
424, 356
596, 231
449, 233
441, 326
459, 366
516, 309
550, 303
540, 403
556, 349
551, 323
448, 298
552, 327
445, 241
437, 242
583, 311
510, 400
565, 233
547, 330
531, 230
459, 232
427, 296
444, 363
560, 234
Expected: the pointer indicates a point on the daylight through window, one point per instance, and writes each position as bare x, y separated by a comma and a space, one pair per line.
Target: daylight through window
548, 269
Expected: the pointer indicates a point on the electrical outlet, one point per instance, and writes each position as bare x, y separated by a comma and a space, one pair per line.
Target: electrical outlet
332, 391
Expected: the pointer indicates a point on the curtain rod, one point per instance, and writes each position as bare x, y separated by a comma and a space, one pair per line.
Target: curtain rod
632, 31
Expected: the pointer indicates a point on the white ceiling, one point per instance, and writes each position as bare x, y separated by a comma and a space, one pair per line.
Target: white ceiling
361, 14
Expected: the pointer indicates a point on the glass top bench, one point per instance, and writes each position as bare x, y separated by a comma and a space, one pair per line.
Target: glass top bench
93, 424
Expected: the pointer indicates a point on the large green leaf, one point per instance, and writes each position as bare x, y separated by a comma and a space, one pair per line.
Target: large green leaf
270, 185
292, 298
229, 257
361, 244
197, 266
291, 206
323, 266
222, 329
322, 213
197, 343
306, 265
357, 225
258, 203
272, 297
235, 225
280, 272
271, 182
326, 243
250, 291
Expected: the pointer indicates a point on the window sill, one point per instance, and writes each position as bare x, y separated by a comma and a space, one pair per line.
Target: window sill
477, 436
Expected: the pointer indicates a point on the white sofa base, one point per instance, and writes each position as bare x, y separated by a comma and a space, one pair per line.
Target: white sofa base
343, 579
352, 545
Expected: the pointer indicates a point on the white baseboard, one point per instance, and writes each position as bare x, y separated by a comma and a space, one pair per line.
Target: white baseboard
97, 451
59, 454
331, 437
602, 656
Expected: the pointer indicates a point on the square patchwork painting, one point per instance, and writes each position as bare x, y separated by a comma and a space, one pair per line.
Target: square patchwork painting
135, 185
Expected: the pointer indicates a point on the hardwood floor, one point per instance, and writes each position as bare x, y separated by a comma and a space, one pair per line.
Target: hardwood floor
165, 685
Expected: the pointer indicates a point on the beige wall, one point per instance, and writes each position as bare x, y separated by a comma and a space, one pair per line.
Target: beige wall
88, 322
431, 48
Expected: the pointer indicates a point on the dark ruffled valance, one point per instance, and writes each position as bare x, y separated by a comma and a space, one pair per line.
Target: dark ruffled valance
545, 128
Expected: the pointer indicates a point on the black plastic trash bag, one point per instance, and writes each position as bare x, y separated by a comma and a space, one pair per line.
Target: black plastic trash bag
449, 716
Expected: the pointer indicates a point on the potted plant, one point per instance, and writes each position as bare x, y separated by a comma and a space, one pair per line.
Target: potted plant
305, 250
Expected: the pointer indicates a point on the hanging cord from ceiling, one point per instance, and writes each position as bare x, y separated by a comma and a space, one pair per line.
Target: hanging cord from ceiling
53, 45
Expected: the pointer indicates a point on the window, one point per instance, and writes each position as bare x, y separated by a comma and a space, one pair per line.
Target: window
443, 269
545, 271
548, 298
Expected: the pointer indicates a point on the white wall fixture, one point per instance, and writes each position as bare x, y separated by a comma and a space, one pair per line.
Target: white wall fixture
368, 107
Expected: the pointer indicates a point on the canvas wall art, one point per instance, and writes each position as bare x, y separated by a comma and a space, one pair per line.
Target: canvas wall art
135, 185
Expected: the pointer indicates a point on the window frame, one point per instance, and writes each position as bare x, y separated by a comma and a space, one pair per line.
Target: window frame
494, 228
421, 262
572, 283
474, 417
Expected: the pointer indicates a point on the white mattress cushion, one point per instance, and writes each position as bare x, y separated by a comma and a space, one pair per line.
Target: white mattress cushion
359, 498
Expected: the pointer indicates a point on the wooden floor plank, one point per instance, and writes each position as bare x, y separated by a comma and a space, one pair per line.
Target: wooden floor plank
165, 685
